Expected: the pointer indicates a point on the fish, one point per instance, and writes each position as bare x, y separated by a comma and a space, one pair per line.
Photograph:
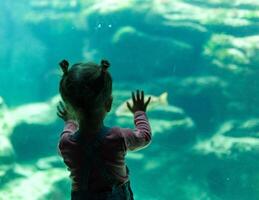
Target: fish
155, 101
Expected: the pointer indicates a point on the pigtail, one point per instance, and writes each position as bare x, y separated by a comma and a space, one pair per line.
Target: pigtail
99, 83
104, 66
64, 66
62, 85
104, 70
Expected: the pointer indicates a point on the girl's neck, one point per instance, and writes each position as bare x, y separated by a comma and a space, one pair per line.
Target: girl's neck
90, 126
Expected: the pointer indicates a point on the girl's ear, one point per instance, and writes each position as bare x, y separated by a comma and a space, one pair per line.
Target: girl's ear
108, 104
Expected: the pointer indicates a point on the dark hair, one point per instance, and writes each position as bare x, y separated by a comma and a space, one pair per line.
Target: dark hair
86, 86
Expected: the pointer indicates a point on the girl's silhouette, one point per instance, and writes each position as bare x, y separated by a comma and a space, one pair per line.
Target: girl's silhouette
93, 152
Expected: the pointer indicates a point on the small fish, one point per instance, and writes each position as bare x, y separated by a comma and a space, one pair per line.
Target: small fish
123, 110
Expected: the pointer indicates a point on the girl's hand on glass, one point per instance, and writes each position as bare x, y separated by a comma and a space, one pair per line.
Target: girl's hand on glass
64, 112
139, 103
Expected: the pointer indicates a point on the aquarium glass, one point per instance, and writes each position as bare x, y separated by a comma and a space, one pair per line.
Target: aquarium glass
198, 59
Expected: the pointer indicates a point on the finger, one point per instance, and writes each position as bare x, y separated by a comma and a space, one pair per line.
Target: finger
129, 106
142, 96
138, 96
146, 104
62, 105
133, 97
61, 111
61, 116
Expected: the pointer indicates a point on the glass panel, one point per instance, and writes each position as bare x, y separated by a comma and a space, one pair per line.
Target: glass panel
197, 58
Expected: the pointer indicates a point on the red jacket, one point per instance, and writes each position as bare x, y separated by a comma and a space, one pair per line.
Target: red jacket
113, 151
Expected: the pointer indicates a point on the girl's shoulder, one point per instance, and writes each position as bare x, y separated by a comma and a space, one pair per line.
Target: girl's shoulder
65, 142
113, 132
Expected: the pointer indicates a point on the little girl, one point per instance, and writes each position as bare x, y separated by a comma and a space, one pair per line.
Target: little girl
94, 153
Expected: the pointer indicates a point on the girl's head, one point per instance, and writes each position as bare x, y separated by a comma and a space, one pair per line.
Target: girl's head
87, 88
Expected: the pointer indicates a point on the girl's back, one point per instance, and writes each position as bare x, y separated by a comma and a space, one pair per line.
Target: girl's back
102, 173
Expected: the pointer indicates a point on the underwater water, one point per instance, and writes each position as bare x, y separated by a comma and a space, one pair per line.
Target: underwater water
200, 58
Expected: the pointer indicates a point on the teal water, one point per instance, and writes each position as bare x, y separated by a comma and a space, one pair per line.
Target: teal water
202, 53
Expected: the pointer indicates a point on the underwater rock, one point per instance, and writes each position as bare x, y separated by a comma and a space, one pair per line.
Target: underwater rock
228, 146
98, 19
50, 162
7, 155
164, 126
243, 128
6, 121
233, 55
173, 31
35, 185
197, 85
228, 160
34, 113
235, 60
166, 53
233, 18
233, 139
196, 96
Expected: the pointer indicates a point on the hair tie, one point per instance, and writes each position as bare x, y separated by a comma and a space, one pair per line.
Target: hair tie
64, 66
99, 82
105, 65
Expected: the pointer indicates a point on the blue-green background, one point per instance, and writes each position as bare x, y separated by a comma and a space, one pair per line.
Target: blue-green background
203, 53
